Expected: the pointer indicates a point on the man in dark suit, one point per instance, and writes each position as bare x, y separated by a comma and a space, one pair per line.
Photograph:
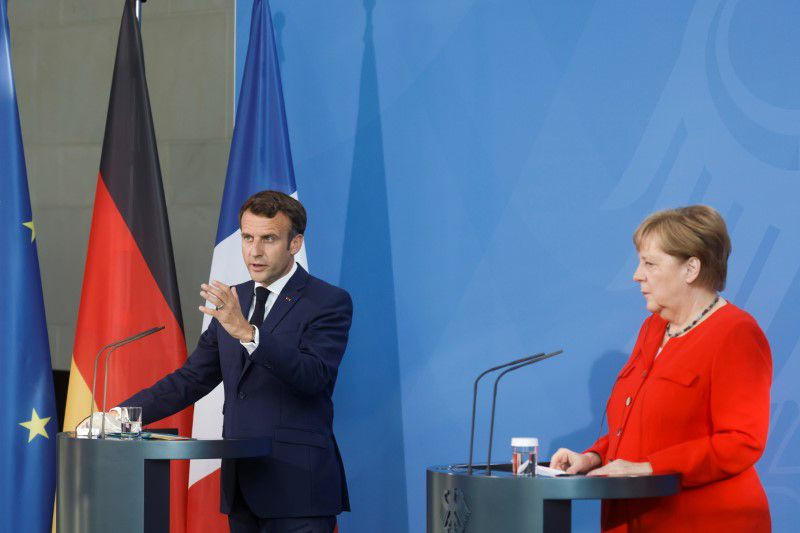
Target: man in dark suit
275, 342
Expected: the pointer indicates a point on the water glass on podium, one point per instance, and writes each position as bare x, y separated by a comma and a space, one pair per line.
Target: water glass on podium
524, 454
130, 419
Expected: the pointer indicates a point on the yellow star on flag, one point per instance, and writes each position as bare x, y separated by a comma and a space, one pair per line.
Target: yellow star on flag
35, 426
29, 225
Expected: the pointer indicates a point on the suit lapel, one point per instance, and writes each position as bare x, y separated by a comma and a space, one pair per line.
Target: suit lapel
246, 296
291, 293
289, 296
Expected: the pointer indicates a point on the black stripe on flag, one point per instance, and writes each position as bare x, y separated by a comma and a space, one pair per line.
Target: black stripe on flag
129, 164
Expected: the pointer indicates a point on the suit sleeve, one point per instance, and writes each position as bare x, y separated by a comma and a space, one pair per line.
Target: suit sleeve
741, 375
197, 377
600, 447
311, 365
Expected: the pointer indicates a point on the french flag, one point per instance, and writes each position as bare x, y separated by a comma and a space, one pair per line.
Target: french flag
260, 158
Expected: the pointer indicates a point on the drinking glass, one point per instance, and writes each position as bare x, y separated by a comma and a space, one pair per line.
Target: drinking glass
130, 419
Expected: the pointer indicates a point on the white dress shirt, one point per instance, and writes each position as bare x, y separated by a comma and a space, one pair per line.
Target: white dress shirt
274, 289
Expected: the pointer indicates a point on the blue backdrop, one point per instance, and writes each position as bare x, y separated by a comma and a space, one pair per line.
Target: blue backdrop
474, 171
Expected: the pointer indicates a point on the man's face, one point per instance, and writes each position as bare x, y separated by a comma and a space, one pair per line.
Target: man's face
266, 249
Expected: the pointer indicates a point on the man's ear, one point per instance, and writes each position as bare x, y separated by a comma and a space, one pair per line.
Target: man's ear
296, 244
693, 267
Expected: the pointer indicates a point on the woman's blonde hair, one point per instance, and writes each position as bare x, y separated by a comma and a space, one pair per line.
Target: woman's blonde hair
694, 231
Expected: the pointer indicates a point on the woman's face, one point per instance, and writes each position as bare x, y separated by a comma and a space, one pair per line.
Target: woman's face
662, 277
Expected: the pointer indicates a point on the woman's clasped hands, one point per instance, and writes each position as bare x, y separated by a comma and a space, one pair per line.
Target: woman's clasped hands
590, 464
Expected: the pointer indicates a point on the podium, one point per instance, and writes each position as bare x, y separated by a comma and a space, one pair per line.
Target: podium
504, 503
123, 485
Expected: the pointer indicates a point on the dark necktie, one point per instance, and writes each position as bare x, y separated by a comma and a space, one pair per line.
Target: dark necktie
258, 311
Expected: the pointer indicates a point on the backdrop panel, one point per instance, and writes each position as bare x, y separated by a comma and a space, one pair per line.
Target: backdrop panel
473, 172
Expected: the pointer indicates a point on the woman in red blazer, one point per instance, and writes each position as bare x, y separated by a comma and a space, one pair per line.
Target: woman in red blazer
694, 396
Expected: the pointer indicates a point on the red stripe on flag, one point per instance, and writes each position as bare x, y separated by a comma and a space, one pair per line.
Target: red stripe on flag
120, 297
202, 511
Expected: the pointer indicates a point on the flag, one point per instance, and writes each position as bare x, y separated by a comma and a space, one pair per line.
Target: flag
129, 283
28, 422
260, 158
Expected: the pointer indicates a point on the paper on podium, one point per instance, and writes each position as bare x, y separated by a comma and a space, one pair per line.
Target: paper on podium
546, 471
152, 435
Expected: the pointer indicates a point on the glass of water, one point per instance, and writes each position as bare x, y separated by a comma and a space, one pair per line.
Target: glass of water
524, 454
130, 420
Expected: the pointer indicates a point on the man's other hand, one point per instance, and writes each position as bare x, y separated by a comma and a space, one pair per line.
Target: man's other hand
112, 423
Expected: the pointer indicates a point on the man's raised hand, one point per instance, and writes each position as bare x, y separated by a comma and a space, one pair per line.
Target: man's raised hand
226, 309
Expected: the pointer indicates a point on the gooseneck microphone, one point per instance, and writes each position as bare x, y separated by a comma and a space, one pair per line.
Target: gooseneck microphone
534, 359
475, 395
111, 347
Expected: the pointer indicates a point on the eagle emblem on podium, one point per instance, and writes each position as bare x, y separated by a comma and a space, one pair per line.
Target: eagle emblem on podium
456, 512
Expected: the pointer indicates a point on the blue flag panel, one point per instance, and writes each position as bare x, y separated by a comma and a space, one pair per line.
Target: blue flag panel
260, 156
28, 422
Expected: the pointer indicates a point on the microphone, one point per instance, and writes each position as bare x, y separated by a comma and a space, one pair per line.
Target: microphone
534, 359
475, 395
105, 363
113, 346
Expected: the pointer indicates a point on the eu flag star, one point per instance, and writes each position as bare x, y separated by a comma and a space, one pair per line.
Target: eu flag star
29, 225
35, 426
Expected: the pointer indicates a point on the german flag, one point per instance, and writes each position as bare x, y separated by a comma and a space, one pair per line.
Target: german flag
129, 284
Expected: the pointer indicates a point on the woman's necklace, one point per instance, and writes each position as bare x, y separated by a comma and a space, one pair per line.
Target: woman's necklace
695, 321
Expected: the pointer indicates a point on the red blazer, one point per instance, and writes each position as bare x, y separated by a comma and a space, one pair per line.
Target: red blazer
701, 408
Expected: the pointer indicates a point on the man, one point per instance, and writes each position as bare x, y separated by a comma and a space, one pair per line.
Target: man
275, 342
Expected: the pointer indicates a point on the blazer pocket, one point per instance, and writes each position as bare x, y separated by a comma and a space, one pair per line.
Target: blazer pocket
680, 375
301, 436
627, 369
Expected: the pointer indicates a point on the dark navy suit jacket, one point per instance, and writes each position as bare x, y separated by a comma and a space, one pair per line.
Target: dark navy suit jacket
283, 391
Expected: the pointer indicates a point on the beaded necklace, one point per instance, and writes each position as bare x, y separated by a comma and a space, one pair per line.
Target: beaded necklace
696, 320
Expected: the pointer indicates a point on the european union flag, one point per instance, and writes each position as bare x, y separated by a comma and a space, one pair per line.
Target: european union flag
27, 403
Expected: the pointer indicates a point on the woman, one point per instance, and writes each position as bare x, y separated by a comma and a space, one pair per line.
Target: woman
694, 396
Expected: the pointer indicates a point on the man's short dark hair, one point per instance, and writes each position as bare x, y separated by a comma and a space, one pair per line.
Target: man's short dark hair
270, 203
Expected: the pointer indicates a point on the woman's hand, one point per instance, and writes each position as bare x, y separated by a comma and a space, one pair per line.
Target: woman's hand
574, 462
620, 467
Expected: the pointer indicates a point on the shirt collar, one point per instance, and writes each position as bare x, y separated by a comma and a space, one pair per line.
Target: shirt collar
277, 286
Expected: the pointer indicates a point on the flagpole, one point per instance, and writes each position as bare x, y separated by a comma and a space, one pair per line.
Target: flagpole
139, 11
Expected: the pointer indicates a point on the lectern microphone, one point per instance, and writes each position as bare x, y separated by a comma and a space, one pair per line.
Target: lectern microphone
533, 360
111, 347
475, 395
